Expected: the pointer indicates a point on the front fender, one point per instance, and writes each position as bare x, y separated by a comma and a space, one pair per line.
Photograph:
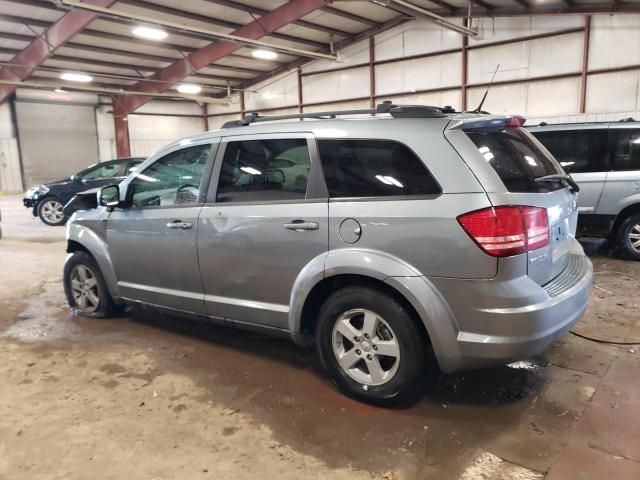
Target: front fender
403, 277
96, 245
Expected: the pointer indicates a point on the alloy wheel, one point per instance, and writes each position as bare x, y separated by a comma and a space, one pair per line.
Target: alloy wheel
52, 211
634, 237
84, 289
366, 347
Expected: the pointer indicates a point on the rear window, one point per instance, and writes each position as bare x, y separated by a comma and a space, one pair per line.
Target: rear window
374, 168
517, 160
578, 151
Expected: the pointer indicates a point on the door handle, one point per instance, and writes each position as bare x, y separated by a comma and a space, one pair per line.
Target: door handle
301, 225
179, 225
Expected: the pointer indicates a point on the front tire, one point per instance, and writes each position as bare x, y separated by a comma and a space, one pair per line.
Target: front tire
628, 237
372, 347
85, 288
50, 211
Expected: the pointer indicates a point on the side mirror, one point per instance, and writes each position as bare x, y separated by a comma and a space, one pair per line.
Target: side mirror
73, 178
109, 196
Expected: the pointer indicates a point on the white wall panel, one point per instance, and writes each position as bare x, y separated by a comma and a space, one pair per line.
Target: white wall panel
416, 37
176, 107
613, 92
419, 74
234, 106
327, 87
276, 93
10, 174
438, 99
106, 133
615, 41
506, 28
355, 54
545, 98
148, 133
528, 59
352, 105
219, 120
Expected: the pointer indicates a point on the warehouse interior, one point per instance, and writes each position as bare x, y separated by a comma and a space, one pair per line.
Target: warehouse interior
152, 395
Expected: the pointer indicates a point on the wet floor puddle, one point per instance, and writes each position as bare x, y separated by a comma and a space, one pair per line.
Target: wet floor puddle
523, 413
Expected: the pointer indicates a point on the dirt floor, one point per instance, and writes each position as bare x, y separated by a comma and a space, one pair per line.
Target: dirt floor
155, 397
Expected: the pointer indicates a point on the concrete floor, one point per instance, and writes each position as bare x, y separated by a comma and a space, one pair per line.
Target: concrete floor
158, 397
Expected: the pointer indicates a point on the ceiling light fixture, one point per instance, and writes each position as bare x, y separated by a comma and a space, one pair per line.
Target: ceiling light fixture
149, 33
76, 77
263, 54
189, 88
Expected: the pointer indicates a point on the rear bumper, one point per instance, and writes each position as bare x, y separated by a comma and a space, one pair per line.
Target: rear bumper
498, 322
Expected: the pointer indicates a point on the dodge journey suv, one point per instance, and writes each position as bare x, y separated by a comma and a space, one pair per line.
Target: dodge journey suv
393, 243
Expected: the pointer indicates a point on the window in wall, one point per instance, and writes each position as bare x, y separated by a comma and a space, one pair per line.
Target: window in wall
171, 180
626, 149
577, 151
373, 168
264, 170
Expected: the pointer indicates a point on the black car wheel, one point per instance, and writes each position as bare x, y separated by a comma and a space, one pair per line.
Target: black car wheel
372, 347
50, 211
85, 288
628, 237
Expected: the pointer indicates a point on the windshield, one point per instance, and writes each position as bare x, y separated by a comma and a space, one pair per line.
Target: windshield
518, 159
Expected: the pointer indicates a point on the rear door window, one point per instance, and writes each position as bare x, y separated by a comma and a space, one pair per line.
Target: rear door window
626, 149
578, 151
264, 170
374, 168
517, 159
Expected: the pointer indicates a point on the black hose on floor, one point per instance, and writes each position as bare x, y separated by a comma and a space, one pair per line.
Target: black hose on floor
599, 340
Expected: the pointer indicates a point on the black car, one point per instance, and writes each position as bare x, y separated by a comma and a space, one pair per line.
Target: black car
47, 201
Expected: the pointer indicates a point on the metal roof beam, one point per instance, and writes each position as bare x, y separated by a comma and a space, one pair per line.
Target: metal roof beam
214, 21
250, 9
278, 18
40, 48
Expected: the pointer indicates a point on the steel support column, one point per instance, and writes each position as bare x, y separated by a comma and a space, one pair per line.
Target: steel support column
585, 63
205, 116
465, 66
300, 100
372, 72
121, 123
35, 54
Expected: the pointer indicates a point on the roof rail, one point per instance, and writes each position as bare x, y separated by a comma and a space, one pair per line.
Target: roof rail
396, 111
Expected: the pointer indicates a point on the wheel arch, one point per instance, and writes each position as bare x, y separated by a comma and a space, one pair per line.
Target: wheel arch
83, 239
625, 213
327, 273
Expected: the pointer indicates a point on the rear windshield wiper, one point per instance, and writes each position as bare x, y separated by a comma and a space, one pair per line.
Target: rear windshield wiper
554, 178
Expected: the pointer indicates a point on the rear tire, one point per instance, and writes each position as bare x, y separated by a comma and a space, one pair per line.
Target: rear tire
355, 325
50, 211
85, 288
628, 237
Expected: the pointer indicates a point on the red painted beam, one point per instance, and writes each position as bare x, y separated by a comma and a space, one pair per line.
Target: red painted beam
34, 54
174, 73
121, 124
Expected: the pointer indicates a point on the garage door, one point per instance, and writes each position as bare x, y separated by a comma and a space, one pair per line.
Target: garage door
55, 140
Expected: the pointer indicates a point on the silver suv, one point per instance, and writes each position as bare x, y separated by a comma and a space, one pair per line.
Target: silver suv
394, 242
604, 158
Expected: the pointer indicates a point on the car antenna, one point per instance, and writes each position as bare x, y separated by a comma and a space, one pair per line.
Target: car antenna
484, 97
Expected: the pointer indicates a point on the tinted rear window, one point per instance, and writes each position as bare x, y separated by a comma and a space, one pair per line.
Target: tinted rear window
577, 151
374, 168
626, 144
517, 160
